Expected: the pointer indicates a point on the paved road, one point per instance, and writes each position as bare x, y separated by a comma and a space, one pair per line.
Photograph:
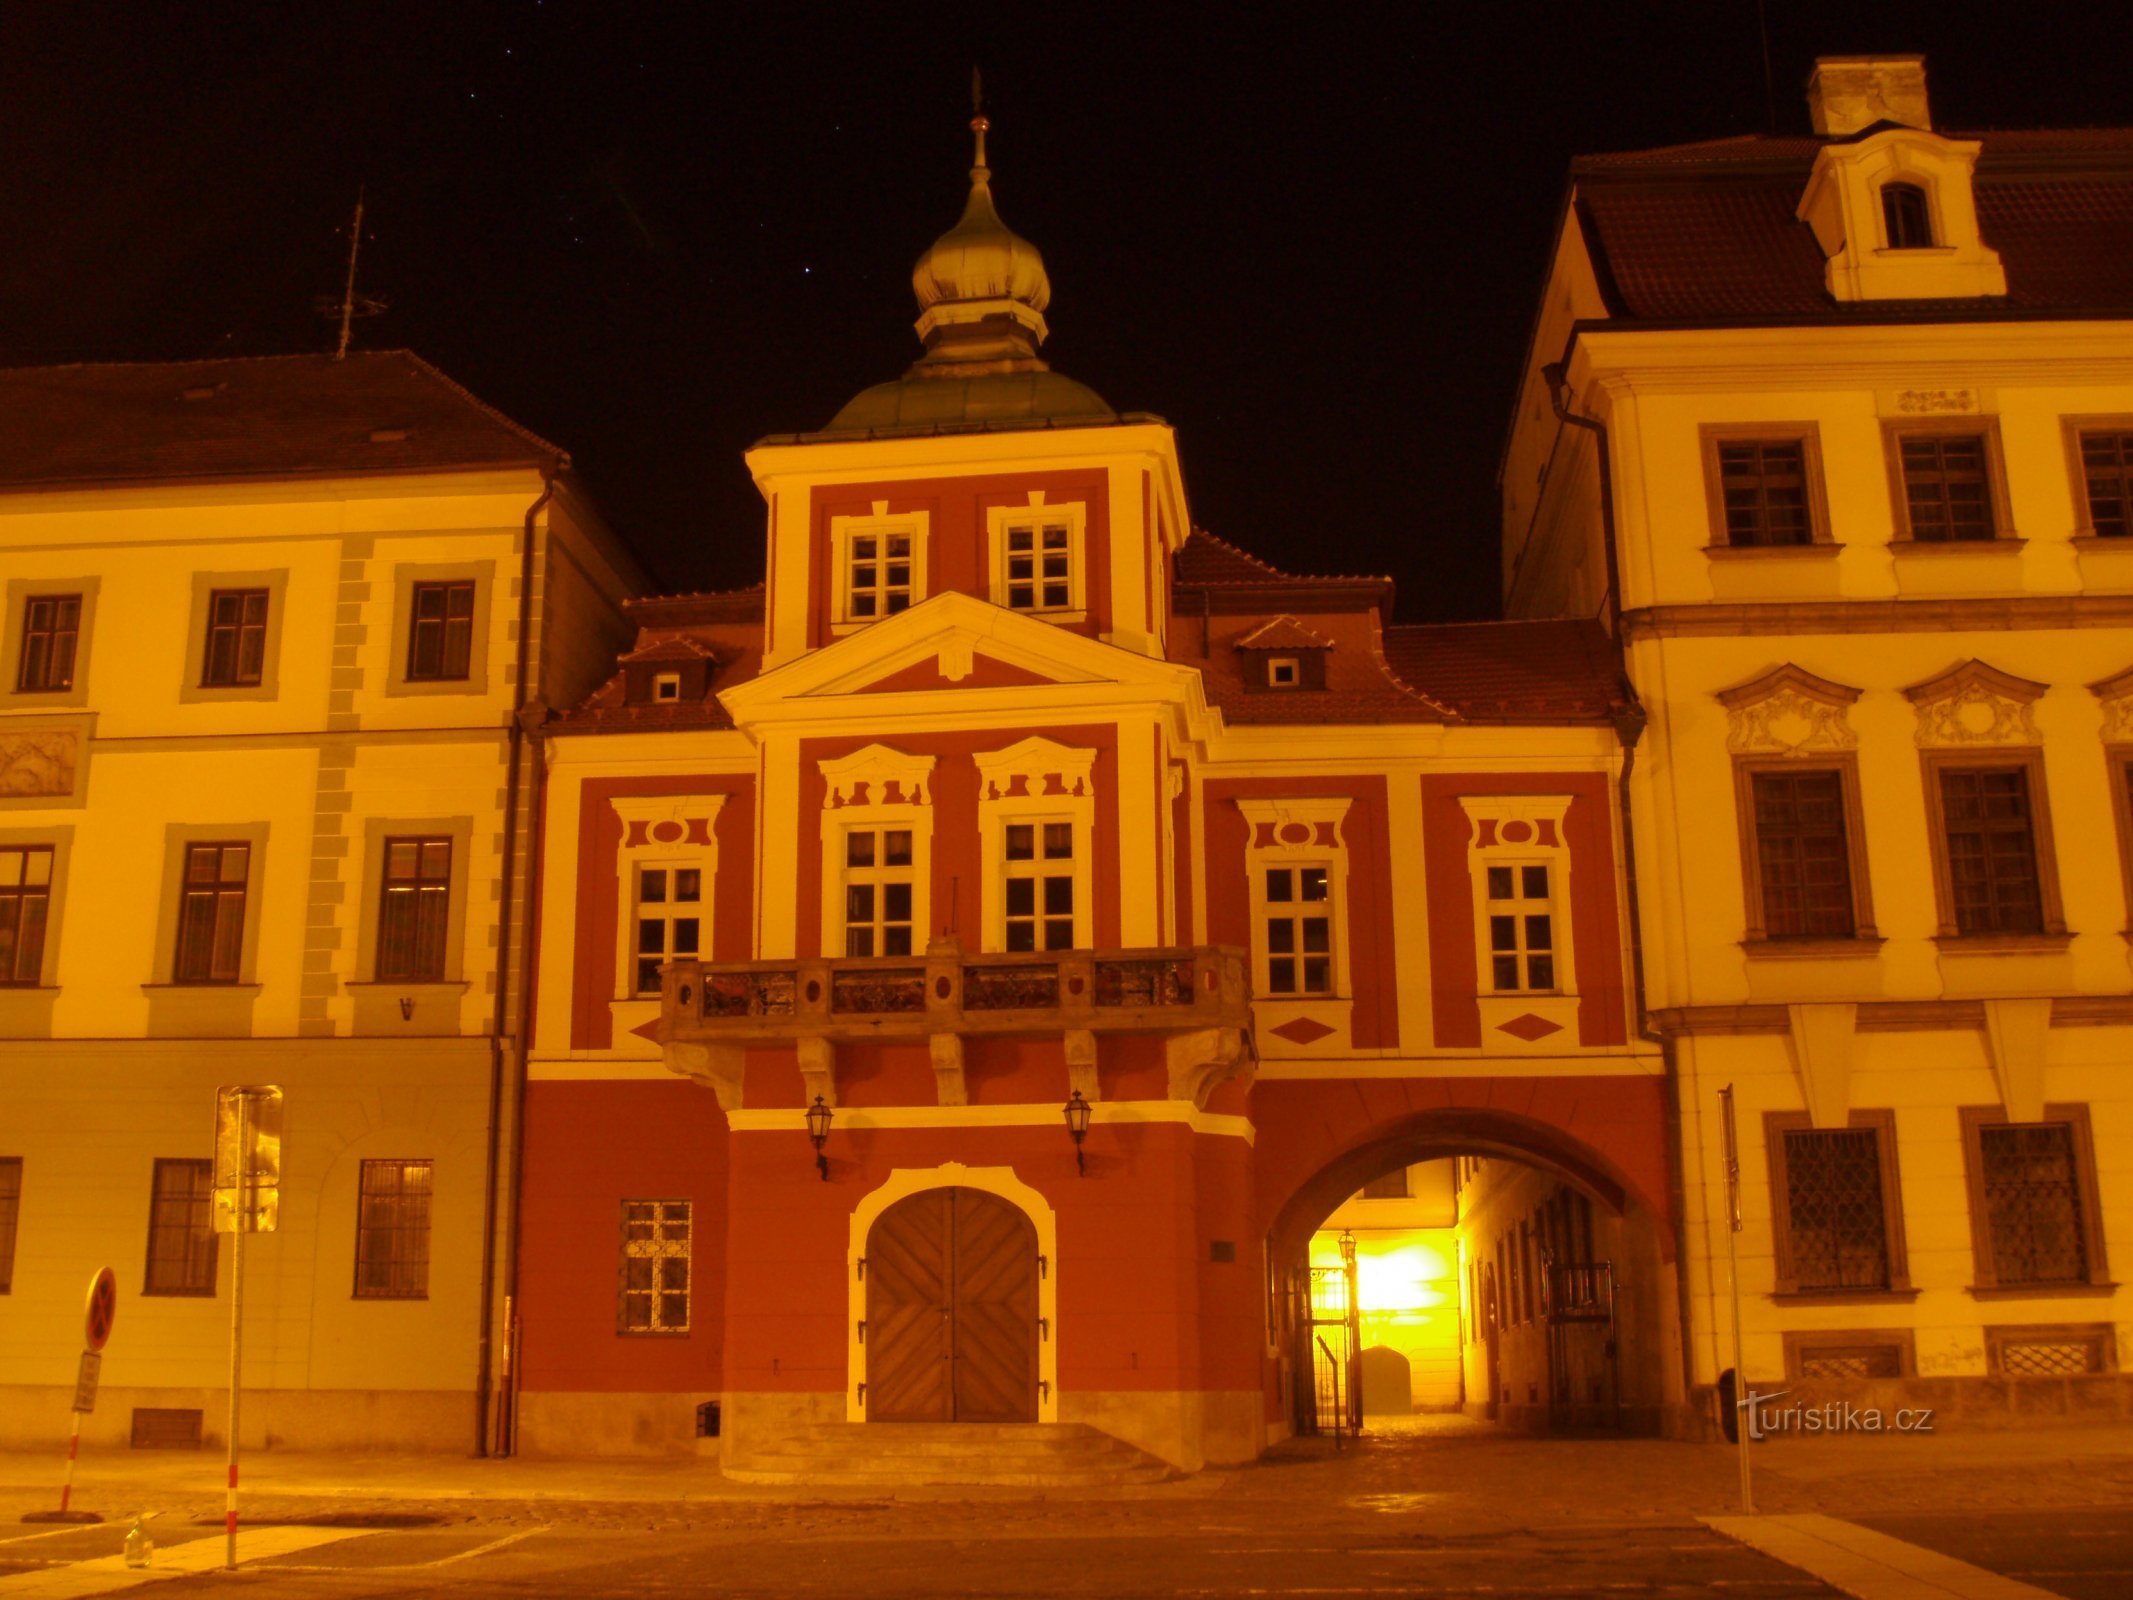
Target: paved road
2083, 1555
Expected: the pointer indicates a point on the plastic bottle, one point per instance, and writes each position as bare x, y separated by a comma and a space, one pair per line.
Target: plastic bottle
139, 1547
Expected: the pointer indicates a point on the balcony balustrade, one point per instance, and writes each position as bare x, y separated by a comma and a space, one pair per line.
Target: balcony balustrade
1196, 998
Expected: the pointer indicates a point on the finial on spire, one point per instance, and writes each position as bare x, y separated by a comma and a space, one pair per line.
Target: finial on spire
979, 122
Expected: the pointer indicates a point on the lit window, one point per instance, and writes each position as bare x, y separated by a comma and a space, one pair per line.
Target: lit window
1299, 930
669, 920
878, 575
878, 885
393, 1231
25, 911
414, 909
655, 1266
1038, 883
1906, 217
1522, 941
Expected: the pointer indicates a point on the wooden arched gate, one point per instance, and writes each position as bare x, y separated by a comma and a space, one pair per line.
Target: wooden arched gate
951, 1323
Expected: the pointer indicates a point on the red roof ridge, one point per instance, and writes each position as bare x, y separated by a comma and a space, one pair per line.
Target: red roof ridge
1267, 570
437, 373
1282, 633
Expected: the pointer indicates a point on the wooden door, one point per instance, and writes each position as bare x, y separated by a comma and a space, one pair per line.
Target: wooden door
952, 1310
1491, 1334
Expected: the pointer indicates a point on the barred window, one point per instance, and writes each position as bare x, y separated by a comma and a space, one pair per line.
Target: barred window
440, 633
181, 1232
236, 638
211, 913
1299, 930
1762, 485
10, 1213
1521, 914
2034, 1211
1038, 885
1803, 857
2107, 478
1834, 1202
1947, 486
878, 889
25, 911
670, 909
51, 633
1993, 884
393, 1231
655, 1266
414, 909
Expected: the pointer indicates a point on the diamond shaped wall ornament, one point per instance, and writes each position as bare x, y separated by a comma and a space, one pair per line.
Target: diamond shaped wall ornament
1301, 1030
1529, 1027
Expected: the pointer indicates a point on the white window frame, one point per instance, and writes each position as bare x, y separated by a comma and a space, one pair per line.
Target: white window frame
877, 524
655, 1249
1522, 831
1274, 676
1288, 834
1001, 520
860, 787
1036, 781
674, 832
666, 686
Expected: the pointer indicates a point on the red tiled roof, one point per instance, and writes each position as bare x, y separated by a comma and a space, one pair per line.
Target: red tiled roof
275, 416
1511, 671
1283, 633
1205, 559
1707, 231
1226, 578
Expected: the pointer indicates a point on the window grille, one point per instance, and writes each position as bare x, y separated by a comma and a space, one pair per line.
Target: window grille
1299, 930
51, 632
655, 1266
878, 576
1946, 486
393, 1231
1040, 567
211, 913
1803, 857
1039, 885
1852, 1361
877, 892
1992, 850
25, 910
1834, 1201
1763, 483
2107, 476
1521, 929
236, 638
440, 634
414, 909
670, 903
1906, 217
2033, 1203
2046, 1353
181, 1234
10, 1211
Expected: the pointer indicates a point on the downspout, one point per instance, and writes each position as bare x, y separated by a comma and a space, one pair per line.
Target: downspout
1630, 721
515, 738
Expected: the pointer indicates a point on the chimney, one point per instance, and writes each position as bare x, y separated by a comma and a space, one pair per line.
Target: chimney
1848, 93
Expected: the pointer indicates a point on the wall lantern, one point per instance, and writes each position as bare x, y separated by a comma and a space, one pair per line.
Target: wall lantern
1077, 1112
818, 1129
1347, 1243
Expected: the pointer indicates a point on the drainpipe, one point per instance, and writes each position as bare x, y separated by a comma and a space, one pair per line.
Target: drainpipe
501, 1062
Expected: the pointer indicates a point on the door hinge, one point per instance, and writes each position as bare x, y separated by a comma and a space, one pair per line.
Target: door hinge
1044, 1267
862, 1327
860, 1267
1044, 1329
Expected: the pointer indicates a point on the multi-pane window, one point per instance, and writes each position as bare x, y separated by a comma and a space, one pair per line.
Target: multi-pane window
10, 1215
2107, 478
670, 910
393, 1231
1834, 1201
1038, 880
1905, 217
878, 878
655, 1266
1521, 913
414, 909
25, 910
51, 632
1040, 567
181, 1232
440, 631
877, 575
1762, 486
1803, 856
1947, 486
211, 913
2035, 1214
1993, 883
236, 638
1299, 930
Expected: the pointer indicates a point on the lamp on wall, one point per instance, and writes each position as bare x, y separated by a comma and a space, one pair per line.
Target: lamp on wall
1077, 1112
818, 1129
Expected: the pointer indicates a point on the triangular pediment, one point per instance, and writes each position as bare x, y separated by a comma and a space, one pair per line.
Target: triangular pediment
980, 671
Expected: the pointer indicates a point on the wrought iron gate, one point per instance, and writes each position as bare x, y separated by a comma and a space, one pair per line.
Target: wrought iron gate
1326, 1324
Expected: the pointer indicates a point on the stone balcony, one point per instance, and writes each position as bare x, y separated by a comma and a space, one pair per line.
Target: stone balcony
1196, 998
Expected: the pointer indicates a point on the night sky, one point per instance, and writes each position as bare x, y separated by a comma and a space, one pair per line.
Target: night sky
1308, 235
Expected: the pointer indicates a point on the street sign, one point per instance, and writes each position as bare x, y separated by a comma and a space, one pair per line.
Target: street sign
102, 1310
85, 1376
247, 1158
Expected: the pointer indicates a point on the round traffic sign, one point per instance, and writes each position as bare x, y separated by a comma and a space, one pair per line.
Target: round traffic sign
103, 1309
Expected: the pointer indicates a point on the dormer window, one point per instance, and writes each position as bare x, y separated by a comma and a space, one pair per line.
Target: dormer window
666, 686
1282, 654
1906, 220
1283, 672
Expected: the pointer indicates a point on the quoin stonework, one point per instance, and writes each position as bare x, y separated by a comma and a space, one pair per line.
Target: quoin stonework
1032, 977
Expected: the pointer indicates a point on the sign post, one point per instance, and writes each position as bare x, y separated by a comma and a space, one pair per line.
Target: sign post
97, 1317
1743, 1400
247, 1200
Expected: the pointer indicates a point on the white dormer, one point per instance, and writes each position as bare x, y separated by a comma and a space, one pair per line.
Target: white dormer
1894, 210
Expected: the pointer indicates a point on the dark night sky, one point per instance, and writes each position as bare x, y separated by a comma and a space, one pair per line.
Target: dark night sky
1310, 236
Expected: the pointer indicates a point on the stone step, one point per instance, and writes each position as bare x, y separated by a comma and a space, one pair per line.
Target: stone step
1013, 1455
881, 1478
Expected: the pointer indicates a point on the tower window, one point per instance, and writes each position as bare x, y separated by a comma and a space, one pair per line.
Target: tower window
1905, 217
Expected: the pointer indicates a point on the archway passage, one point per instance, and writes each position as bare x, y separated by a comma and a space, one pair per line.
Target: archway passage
951, 1325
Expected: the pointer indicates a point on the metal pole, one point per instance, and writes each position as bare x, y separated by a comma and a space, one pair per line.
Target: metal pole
244, 1218
1744, 1407
66, 1487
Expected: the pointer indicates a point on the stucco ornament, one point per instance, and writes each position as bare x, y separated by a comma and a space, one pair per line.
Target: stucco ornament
33, 765
1788, 712
2116, 694
1974, 704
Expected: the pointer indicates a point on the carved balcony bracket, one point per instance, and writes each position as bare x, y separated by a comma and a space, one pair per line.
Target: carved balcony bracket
1206, 1058
818, 1069
949, 1086
1081, 1064
718, 1066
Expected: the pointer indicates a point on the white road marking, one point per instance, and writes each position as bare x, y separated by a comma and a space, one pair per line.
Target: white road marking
105, 1574
1869, 1565
415, 1566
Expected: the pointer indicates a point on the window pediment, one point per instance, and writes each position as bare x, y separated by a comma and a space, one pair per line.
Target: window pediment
877, 770
1973, 704
1039, 763
1789, 711
2116, 693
